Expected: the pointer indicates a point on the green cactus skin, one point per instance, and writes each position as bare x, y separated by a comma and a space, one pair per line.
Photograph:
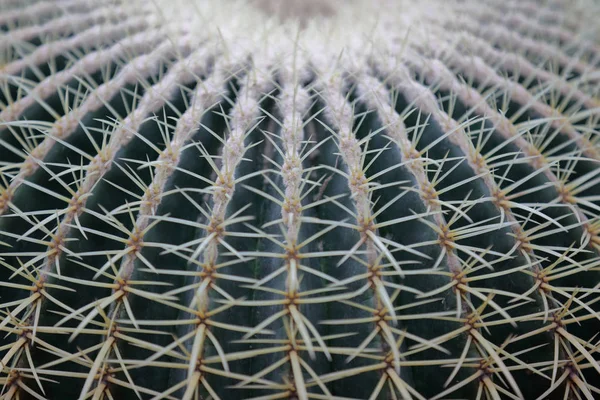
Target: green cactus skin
299, 200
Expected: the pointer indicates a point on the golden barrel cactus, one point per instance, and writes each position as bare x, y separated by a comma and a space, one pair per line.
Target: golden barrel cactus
361, 199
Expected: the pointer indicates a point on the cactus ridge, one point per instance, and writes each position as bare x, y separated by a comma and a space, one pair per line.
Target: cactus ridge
240, 200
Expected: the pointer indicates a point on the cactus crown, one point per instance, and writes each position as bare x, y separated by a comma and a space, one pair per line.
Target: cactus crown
303, 200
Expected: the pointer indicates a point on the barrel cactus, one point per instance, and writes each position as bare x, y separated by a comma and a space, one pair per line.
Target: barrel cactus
255, 199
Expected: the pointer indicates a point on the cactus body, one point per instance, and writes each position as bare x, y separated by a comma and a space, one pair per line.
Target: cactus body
311, 201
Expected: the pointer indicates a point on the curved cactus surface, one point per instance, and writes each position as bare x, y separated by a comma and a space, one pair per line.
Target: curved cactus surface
324, 200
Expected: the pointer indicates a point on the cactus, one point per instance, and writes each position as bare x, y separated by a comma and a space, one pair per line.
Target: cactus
301, 200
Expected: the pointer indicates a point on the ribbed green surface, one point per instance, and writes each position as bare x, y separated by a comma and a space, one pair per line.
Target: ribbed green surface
231, 213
